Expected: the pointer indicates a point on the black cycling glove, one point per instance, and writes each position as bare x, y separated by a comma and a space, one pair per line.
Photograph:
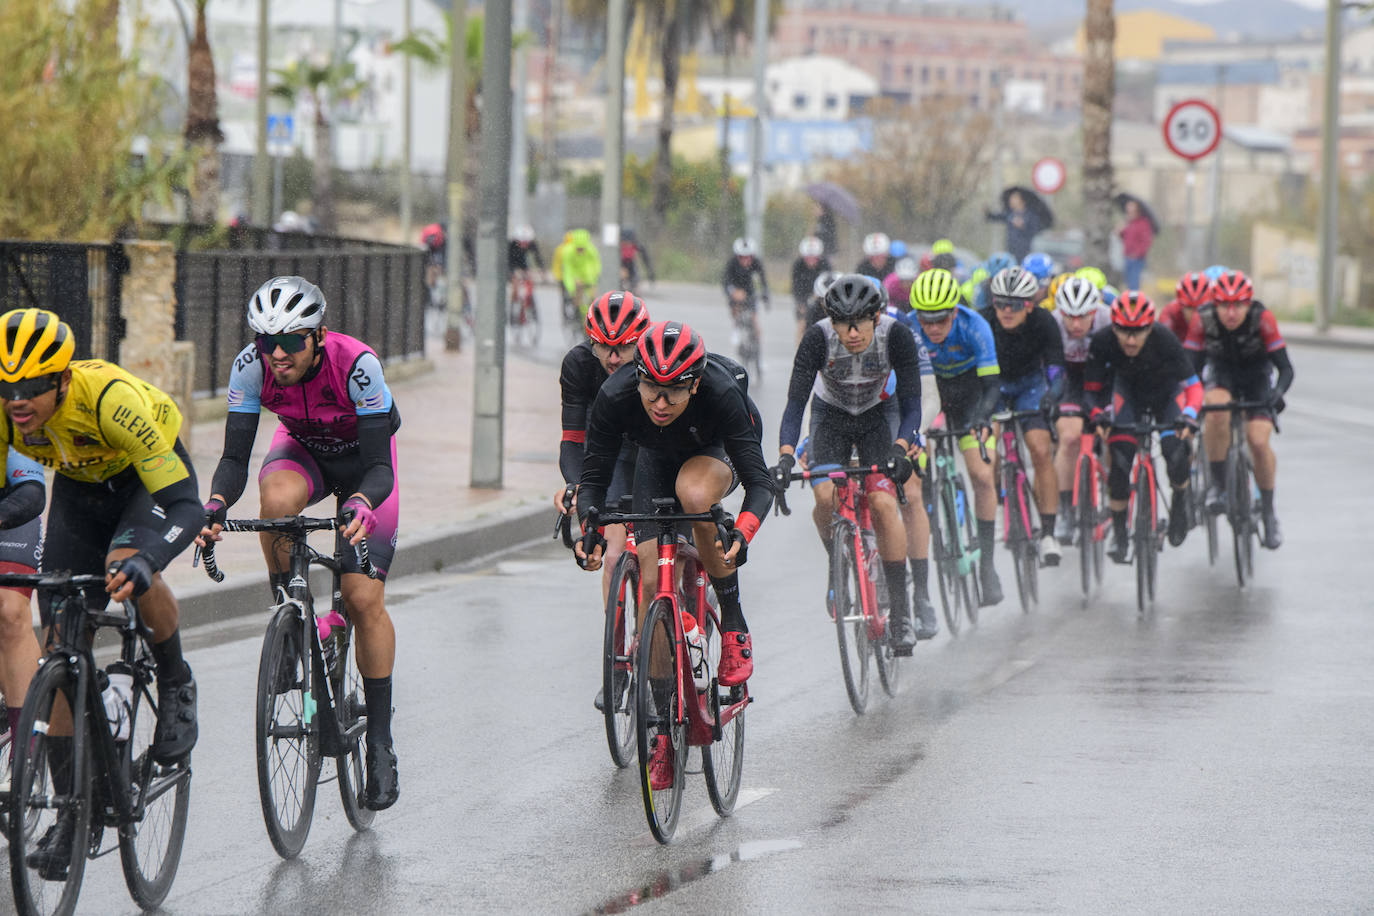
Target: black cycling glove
899, 466
138, 569
782, 474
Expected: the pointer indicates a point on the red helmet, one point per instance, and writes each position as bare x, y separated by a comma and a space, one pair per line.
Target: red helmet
670, 352
1193, 289
927, 261
1133, 309
617, 318
1233, 286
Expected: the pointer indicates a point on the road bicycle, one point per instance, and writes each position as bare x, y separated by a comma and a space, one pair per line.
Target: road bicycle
524, 316
1091, 518
1019, 514
669, 706
954, 548
859, 601
309, 706
1242, 500
87, 762
743, 318
575, 307
1147, 494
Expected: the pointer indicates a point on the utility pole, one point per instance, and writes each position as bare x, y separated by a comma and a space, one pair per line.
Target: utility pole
261, 164
614, 156
519, 160
1218, 174
489, 329
754, 210
1331, 133
405, 128
457, 166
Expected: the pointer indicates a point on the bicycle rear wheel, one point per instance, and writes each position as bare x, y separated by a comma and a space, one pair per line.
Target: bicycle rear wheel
617, 661
350, 714
887, 662
1242, 515
288, 741
150, 847
851, 628
1087, 527
656, 692
968, 575
42, 764
722, 761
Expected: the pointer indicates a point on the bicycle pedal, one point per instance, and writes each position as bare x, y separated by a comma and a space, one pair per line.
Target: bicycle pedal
903, 651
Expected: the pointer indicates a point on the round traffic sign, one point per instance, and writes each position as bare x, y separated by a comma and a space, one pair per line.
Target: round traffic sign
1048, 175
1192, 129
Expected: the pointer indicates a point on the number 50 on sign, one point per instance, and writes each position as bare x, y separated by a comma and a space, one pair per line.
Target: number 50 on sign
1192, 129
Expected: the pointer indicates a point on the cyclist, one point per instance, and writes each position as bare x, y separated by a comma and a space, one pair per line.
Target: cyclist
877, 261
1030, 358
810, 264
1042, 266
1080, 314
1136, 367
738, 281
699, 435
1238, 339
974, 290
123, 502
337, 437
897, 284
614, 323
1193, 290
630, 249
847, 358
579, 269
23, 497
815, 306
522, 249
964, 357
1093, 275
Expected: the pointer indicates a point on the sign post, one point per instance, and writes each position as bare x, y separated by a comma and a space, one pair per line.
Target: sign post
281, 139
1192, 130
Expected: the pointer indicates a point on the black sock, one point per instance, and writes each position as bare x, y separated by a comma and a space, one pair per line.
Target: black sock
1047, 522
1066, 498
377, 695
895, 573
171, 667
920, 576
1218, 473
1267, 501
1119, 523
987, 537
60, 764
727, 594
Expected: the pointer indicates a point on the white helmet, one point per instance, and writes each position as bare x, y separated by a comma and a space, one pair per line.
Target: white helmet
811, 247
744, 248
523, 233
285, 304
1014, 283
1077, 296
907, 270
876, 243
823, 281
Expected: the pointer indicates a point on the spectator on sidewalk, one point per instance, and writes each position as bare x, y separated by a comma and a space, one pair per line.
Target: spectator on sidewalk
1137, 235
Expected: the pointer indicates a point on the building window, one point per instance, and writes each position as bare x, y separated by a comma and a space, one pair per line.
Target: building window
907, 72
959, 76
939, 74
925, 75
832, 102
799, 101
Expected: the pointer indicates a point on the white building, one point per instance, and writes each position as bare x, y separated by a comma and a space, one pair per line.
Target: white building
816, 88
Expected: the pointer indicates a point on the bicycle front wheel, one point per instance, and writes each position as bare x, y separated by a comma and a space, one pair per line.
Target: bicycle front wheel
287, 736
1144, 540
945, 549
1242, 515
968, 566
1087, 527
722, 761
150, 847
51, 794
617, 661
657, 723
350, 713
851, 628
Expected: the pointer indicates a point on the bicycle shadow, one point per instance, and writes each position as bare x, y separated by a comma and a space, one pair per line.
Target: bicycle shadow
299, 886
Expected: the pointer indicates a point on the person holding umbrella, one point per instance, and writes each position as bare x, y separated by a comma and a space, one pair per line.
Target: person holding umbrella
1025, 215
1137, 235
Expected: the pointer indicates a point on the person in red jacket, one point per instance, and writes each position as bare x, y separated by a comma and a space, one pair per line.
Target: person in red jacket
1194, 289
1136, 238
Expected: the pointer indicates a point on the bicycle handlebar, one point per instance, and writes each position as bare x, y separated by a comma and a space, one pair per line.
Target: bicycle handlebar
957, 434
597, 518
289, 524
886, 469
59, 581
1232, 407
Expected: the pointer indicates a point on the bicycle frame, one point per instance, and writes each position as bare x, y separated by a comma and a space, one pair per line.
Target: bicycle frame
946, 472
1088, 447
1011, 458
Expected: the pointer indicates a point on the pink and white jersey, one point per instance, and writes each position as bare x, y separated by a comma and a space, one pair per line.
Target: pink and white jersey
1076, 348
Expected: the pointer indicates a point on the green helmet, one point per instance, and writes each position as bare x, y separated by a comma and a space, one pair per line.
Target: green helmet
942, 246
970, 288
934, 291
1093, 275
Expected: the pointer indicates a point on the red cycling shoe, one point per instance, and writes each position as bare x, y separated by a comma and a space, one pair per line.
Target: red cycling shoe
736, 658
661, 765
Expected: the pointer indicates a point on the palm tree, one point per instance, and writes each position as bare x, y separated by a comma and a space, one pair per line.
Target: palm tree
202, 132
1099, 86
323, 85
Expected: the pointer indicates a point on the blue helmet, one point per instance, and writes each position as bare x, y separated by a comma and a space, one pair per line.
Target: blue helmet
997, 262
1216, 270
1109, 295
897, 249
1038, 263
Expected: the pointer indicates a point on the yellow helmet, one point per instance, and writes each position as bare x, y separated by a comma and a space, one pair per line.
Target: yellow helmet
1053, 289
36, 342
935, 290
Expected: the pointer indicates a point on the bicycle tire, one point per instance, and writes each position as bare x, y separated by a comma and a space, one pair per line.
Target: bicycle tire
947, 552
658, 652
722, 762
886, 660
1103, 514
287, 736
350, 712
1202, 482
851, 629
32, 791
1243, 527
972, 590
617, 647
150, 847
1144, 539
1087, 527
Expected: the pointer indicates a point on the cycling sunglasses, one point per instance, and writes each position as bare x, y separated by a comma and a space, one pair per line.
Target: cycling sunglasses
26, 389
1129, 332
673, 394
939, 317
289, 343
1009, 305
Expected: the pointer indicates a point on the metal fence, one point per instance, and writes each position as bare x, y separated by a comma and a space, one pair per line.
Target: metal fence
376, 295
80, 282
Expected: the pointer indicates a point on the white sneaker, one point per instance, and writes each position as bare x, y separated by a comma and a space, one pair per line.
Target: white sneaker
1049, 551
1063, 529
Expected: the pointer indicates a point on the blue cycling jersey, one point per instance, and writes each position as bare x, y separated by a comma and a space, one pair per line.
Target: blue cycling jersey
969, 345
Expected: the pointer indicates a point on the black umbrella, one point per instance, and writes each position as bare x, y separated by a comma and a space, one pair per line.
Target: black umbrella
829, 194
1145, 211
1033, 203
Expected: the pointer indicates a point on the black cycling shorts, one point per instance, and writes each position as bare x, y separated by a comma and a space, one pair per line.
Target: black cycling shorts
836, 433
656, 475
1244, 385
959, 398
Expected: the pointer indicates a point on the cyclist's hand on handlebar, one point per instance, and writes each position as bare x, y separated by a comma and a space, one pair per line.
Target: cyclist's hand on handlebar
899, 466
565, 500
358, 518
216, 513
1187, 425
737, 553
588, 550
129, 577
782, 474
1049, 404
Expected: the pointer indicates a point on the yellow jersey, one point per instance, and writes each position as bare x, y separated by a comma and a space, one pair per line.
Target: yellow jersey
109, 420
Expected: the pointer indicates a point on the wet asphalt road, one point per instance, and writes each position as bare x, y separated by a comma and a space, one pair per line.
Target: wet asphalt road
1212, 756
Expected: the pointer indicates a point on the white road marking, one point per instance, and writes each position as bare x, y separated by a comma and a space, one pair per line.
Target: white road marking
704, 816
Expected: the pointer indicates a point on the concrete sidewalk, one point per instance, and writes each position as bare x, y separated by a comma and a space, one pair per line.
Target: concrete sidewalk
1339, 335
443, 520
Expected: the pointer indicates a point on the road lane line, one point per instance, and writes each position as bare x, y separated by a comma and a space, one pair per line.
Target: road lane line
704, 816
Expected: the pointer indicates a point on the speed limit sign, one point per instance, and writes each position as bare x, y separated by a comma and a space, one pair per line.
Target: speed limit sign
1192, 129
1048, 175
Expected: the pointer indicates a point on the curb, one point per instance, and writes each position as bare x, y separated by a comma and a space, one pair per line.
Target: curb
1328, 341
445, 546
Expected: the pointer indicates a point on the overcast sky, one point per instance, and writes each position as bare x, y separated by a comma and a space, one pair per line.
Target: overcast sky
1314, 4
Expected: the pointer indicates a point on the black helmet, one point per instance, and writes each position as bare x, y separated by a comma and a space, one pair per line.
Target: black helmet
853, 296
